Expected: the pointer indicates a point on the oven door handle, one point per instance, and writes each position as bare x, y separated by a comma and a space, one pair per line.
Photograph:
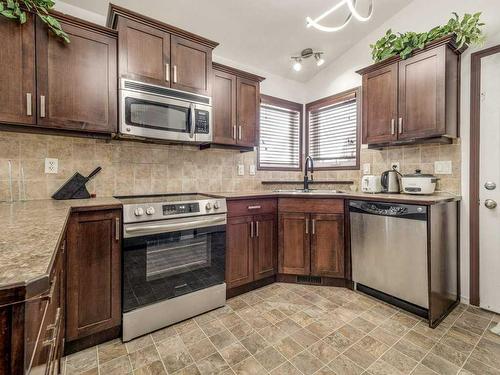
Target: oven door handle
145, 229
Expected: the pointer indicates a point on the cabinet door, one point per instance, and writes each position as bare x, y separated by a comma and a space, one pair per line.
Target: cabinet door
17, 64
224, 107
144, 53
247, 111
191, 66
77, 82
327, 245
94, 273
422, 95
380, 105
265, 246
293, 244
239, 251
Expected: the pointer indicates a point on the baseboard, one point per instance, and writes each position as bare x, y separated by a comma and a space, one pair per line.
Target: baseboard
236, 291
92, 340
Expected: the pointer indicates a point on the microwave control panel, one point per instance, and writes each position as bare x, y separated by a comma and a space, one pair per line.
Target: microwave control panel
202, 122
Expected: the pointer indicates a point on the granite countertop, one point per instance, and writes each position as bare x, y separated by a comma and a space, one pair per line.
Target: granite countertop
436, 198
30, 233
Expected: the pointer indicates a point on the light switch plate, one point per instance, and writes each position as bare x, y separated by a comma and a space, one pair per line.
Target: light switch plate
443, 167
241, 169
251, 170
395, 165
367, 168
51, 165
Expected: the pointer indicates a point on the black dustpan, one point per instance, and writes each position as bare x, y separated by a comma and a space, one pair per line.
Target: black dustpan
75, 187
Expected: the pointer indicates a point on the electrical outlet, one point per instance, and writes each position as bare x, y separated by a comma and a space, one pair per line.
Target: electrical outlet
442, 167
51, 165
367, 168
395, 165
241, 169
251, 170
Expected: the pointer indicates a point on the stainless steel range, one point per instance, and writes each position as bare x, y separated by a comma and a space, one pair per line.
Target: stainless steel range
173, 259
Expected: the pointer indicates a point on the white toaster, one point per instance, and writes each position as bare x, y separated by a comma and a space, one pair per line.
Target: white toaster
371, 184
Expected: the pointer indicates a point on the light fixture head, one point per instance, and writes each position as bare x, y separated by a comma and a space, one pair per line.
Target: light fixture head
319, 60
297, 65
304, 55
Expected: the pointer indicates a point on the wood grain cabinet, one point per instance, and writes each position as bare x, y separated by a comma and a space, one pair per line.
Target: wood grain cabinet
94, 275
413, 100
154, 52
251, 251
311, 237
236, 106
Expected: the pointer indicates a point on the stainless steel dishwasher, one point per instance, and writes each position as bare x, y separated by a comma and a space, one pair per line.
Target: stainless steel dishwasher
389, 253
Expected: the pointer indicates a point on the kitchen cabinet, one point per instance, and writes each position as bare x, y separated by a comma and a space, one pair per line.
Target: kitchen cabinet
413, 100
153, 52
94, 275
251, 251
77, 81
311, 237
236, 106
17, 64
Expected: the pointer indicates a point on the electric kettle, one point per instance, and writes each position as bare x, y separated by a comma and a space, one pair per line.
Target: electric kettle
390, 182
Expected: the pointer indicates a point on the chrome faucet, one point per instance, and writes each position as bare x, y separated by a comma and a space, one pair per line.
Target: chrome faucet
309, 166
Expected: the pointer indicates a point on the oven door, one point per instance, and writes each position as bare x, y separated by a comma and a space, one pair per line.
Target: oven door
169, 258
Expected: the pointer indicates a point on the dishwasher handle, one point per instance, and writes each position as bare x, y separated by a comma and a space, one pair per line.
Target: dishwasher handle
406, 211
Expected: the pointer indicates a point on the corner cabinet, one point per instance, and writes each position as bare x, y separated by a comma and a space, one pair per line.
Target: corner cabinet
236, 106
311, 237
413, 100
154, 52
251, 244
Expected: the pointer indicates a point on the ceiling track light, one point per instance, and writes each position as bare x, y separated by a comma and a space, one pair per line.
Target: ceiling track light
351, 4
305, 54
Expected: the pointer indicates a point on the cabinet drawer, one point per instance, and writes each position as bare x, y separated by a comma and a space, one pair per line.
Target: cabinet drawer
311, 205
251, 207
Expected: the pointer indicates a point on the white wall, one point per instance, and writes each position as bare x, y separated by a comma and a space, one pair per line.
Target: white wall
420, 15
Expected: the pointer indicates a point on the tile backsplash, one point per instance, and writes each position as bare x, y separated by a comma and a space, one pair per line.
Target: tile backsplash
140, 168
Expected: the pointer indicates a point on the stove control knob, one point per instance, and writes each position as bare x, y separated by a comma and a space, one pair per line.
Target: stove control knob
216, 205
150, 210
208, 206
139, 211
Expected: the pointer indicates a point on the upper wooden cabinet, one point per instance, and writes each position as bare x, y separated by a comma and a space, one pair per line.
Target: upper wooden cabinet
77, 81
154, 52
236, 106
413, 100
17, 64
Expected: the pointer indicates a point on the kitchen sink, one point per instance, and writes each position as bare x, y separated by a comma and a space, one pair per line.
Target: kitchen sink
308, 191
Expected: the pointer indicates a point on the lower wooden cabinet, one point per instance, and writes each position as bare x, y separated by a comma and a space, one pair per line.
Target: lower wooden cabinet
311, 243
251, 246
94, 273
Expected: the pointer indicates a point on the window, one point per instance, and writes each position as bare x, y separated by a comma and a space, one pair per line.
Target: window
280, 135
333, 131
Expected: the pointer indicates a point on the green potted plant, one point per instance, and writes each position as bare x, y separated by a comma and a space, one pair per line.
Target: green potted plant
466, 31
17, 10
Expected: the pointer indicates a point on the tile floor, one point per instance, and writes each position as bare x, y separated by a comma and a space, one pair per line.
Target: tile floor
295, 329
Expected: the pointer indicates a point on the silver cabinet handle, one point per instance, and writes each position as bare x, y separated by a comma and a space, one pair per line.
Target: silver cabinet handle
393, 126
490, 203
29, 105
191, 121
256, 229
239, 132
251, 229
254, 207
490, 185
234, 132
42, 105
400, 125
313, 226
175, 73
117, 229
307, 226
167, 72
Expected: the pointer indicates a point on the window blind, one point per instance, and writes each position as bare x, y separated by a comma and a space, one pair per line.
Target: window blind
279, 146
333, 134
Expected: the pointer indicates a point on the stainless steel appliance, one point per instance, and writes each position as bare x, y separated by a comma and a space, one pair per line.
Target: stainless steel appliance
173, 259
419, 183
150, 111
389, 252
390, 182
371, 184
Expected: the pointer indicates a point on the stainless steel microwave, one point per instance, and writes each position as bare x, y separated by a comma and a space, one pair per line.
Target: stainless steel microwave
156, 112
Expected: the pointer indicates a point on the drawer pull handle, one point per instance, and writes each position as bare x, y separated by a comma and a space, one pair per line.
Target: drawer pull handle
251, 229
254, 207
307, 226
256, 229
313, 226
42, 106
29, 105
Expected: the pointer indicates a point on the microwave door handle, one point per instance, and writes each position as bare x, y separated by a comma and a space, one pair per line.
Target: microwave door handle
191, 120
